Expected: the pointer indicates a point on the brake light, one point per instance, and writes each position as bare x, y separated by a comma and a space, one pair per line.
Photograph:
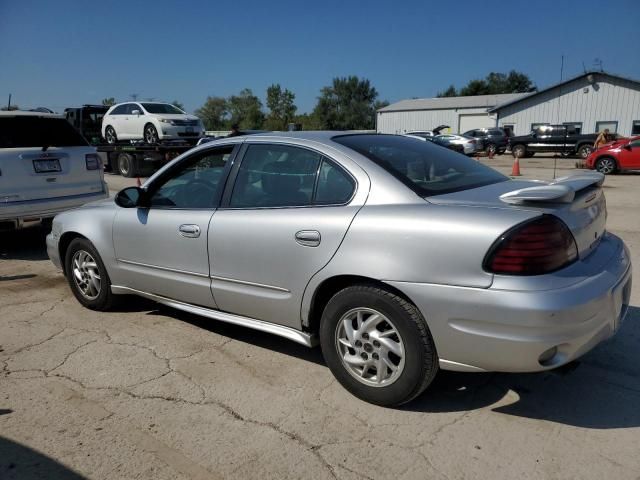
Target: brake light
93, 161
536, 247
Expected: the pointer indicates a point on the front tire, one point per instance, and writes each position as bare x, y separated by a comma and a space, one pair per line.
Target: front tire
87, 275
150, 134
519, 151
606, 165
377, 345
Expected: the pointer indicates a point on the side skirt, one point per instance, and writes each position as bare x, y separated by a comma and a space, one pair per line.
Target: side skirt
297, 336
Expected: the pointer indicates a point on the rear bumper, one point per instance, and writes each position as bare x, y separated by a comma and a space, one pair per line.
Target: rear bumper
508, 330
17, 215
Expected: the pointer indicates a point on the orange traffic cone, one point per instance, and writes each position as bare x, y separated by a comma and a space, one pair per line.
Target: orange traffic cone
490, 153
515, 171
138, 183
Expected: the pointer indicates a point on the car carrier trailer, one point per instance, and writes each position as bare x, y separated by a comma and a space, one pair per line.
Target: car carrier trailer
129, 159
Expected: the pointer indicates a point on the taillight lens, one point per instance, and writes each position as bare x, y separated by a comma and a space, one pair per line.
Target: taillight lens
533, 248
93, 161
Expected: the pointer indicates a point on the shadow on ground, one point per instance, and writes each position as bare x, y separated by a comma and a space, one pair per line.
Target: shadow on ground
26, 244
601, 391
19, 462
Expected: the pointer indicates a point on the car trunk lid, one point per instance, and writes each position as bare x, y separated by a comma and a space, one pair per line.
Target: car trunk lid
577, 200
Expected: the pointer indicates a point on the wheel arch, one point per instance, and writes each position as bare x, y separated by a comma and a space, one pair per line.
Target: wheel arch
63, 245
332, 285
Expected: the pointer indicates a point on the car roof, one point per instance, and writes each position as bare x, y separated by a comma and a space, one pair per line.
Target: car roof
22, 113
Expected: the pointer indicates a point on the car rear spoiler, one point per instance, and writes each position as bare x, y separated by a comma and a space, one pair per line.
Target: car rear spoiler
561, 190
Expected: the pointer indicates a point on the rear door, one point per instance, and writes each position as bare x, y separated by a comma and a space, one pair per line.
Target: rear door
283, 220
44, 157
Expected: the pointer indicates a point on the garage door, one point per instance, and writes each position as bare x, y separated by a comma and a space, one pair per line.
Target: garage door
471, 121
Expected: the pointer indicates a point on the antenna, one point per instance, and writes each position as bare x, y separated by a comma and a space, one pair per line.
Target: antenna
134, 96
598, 64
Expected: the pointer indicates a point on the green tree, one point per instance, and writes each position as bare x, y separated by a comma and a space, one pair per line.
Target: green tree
178, 104
309, 121
107, 102
282, 110
246, 110
214, 113
449, 92
493, 83
348, 104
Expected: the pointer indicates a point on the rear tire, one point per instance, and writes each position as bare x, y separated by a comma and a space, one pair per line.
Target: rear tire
607, 165
377, 345
127, 165
87, 275
584, 151
110, 135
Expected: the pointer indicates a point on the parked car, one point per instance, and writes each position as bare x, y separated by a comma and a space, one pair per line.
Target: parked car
438, 141
561, 139
615, 157
494, 140
470, 145
399, 257
46, 167
430, 133
149, 121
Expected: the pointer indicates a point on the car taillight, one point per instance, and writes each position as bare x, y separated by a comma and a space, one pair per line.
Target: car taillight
533, 248
93, 161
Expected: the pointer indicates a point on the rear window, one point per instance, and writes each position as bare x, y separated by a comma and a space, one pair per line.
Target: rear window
31, 131
424, 167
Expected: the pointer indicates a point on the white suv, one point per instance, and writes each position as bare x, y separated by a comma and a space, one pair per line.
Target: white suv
151, 121
46, 167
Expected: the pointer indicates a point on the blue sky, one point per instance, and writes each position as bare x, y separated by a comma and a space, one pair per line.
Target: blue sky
61, 53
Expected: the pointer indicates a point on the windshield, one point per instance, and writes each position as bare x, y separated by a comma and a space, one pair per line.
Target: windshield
424, 167
161, 108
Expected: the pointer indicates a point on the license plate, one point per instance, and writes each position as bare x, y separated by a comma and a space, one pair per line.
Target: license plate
48, 165
189, 129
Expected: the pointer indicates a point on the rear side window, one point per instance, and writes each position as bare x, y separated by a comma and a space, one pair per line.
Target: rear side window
119, 110
32, 131
275, 176
334, 185
425, 168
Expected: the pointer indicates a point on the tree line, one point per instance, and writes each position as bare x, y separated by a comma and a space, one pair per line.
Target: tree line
349, 103
494, 83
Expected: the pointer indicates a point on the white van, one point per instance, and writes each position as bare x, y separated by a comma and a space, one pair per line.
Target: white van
46, 167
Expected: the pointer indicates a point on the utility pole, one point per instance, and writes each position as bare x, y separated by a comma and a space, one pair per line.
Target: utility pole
9, 103
134, 96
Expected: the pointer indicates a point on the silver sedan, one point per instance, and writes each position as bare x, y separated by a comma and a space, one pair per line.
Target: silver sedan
397, 256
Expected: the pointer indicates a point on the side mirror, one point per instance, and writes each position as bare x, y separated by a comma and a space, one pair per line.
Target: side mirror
627, 146
130, 197
136, 112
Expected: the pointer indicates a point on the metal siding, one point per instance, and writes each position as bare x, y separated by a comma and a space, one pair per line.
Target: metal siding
402, 122
609, 99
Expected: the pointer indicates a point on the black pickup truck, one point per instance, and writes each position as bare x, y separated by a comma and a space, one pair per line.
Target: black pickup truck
560, 139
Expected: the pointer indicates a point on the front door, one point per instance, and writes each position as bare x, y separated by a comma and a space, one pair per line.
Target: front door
163, 247
288, 211
629, 158
136, 121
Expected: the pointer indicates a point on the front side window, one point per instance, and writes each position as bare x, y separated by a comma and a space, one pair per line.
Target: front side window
425, 168
119, 110
162, 108
132, 107
275, 176
196, 184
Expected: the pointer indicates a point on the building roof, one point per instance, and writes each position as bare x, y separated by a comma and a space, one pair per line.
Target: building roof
564, 82
447, 103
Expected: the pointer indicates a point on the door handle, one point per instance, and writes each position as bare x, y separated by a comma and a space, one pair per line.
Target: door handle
308, 238
190, 231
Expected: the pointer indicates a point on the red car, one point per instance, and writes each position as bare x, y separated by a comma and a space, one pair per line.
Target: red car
623, 154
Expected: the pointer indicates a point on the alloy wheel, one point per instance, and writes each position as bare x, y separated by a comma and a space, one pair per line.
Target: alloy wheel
110, 135
606, 165
150, 134
86, 274
370, 347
